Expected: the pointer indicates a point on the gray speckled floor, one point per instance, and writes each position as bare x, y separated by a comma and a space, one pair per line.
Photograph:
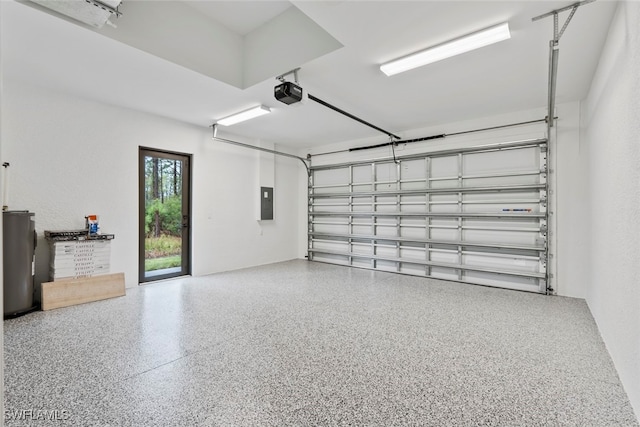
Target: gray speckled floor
309, 344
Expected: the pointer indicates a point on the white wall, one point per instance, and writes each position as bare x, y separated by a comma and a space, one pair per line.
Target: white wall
1, 247
611, 140
568, 204
71, 157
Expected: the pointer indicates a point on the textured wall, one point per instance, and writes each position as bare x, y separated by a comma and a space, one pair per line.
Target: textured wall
611, 137
71, 157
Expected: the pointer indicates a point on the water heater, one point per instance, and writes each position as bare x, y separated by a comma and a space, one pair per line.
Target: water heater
19, 246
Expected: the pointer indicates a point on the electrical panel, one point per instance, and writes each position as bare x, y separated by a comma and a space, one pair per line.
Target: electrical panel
266, 203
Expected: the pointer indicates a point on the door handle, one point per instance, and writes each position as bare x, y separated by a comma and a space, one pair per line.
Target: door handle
185, 221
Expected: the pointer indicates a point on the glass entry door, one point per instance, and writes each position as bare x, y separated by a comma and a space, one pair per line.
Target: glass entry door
165, 215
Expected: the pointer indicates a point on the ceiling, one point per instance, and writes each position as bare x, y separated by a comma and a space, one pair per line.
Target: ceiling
338, 45
241, 17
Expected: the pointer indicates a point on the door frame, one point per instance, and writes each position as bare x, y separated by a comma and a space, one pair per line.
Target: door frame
186, 211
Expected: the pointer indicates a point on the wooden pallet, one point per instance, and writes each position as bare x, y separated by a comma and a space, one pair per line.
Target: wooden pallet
67, 292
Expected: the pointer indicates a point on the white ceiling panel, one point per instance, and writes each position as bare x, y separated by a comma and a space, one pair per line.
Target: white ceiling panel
508, 76
241, 17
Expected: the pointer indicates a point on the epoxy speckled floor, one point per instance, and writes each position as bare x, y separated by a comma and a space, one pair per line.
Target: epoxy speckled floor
310, 344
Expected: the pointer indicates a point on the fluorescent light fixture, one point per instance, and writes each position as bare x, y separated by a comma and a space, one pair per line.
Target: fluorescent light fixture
251, 113
92, 12
448, 49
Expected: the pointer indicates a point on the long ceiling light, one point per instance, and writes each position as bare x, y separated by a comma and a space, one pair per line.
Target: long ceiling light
251, 113
448, 49
91, 12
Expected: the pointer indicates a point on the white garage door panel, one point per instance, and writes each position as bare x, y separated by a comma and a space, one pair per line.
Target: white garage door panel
475, 214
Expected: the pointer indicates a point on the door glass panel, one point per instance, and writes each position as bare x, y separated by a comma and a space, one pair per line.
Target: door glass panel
164, 213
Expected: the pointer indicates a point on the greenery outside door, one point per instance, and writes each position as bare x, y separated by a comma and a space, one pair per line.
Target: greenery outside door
165, 215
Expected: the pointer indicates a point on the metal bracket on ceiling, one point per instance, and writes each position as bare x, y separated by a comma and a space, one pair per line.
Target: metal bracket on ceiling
393, 143
555, 12
294, 72
554, 49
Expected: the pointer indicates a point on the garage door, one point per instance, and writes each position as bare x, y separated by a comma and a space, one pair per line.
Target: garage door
476, 214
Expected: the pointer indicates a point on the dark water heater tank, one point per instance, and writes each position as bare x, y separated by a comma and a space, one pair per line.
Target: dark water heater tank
18, 245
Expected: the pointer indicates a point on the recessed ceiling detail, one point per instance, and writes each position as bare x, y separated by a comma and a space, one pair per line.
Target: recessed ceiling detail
241, 17
288, 41
179, 32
